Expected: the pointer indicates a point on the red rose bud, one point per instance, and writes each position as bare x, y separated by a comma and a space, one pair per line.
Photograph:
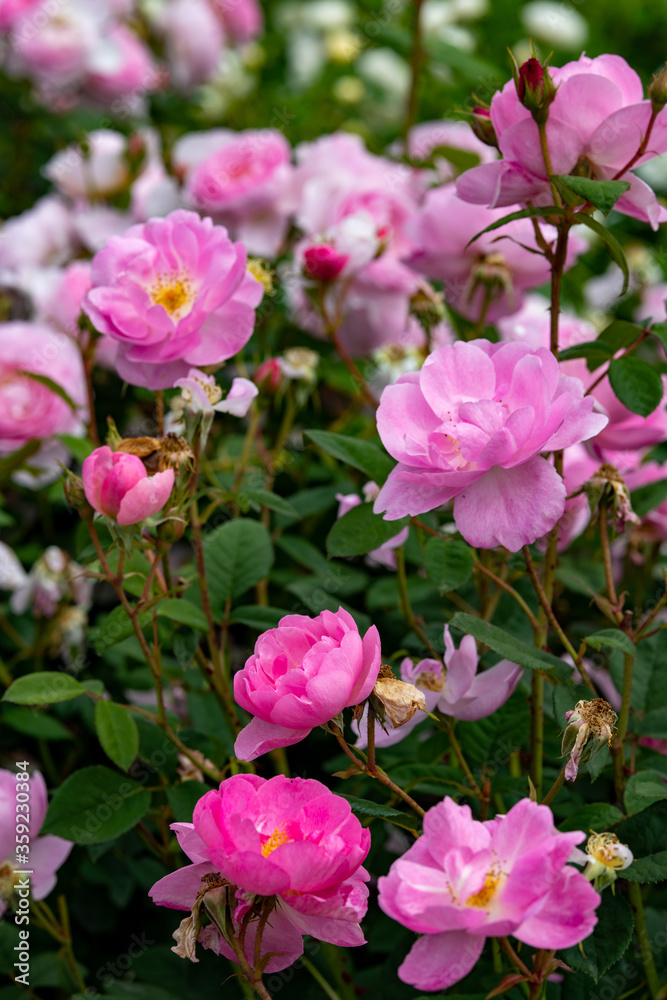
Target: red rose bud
269, 375
323, 263
535, 88
657, 90
482, 126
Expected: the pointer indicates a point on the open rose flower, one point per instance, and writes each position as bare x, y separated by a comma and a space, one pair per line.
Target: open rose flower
116, 484
471, 426
464, 881
595, 128
46, 854
291, 839
457, 690
175, 294
301, 675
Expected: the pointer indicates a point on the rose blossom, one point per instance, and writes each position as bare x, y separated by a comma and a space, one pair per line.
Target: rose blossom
243, 19
290, 838
596, 124
244, 179
44, 855
464, 881
194, 41
301, 675
99, 170
471, 425
29, 409
41, 236
116, 484
175, 294
457, 690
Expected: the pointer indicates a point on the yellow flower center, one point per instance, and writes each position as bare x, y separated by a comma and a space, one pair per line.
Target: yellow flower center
174, 293
482, 898
277, 839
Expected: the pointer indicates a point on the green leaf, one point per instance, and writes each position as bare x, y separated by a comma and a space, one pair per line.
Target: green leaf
265, 498
597, 816
237, 555
620, 333
659, 330
506, 645
183, 612
116, 627
596, 353
645, 833
360, 531
612, 244
602, 194
654, 723
646, 498
117, 733
50, 384
534, 212
652, 868
643, 790
18, 459
95, 804
81, 448
303, 552
448, 563
363, 455
608, 942
637, 384
257, 617
44, 688
184, 797
614, 639
374, 810
31, 722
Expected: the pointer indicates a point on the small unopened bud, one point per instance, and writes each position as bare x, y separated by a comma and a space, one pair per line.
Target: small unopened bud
535, 89
608, 857
324, 263
493, 274
657, 90
427, 306
482, 126
269, 375
76, 496
590, 727
398, 701
608, 486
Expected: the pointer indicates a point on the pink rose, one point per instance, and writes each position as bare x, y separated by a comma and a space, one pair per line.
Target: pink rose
28, 408
599, 118
96, 172
471, 425
301, 675
116, 484
464, 881
288, 838
244, 179
44, 855
194, 41
175, 294
243, 19
39, 237
491, 273
123, 69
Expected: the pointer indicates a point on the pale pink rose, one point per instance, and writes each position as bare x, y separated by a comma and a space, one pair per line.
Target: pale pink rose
53, 578
301, 675
653, 304
121, 68
194, 40
243, 20
99, 170
41, 236
472, 426
54, 42
495, 266
202, 397
175, 294
384, 555
28, 408
117, 485
465, 880
43, 855
95, 224
243, 179
599, 118
12, 11
290, 838
458, 690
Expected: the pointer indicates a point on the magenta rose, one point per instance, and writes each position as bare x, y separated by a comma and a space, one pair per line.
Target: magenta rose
464, 881
175, 294
290, 838
471, 426
301, 675
116, 484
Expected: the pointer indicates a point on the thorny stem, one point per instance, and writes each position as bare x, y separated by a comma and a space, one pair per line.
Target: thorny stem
406, 606
456, 747
514, 958
555, 788
319, 979
656, 610
606, 557
544, 146
622, 726
375, 772
545, 604
87, 356
642, 148
628, 350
